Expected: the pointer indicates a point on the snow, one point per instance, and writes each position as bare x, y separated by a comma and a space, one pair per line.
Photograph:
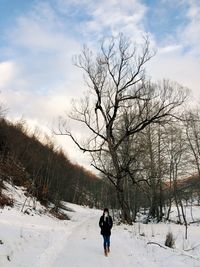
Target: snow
40, 240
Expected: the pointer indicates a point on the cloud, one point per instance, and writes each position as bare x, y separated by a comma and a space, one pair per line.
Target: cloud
7, 73
43, 112
178, 58
177, 67
169, 48
100, 18
39, 79
190, 34
40, 30
117, 16
42, 48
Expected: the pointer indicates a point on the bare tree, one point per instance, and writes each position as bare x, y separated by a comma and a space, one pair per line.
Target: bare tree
155, 169
177, 149
117, 85
192, 129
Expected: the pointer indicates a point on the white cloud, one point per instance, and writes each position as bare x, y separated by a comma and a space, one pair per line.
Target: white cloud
190, 35
43, 48
105, 17
179, 61
7, 73
43, 107
30, 34
177, 67
42, 33
114, 16
169, 48
43, 112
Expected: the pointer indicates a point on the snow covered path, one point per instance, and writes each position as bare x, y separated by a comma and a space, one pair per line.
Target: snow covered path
41, 241
83, 247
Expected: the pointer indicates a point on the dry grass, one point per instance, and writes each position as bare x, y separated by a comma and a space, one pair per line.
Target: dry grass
59, 215
5, 201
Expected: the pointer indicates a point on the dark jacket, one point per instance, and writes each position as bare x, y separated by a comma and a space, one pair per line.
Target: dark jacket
106, 224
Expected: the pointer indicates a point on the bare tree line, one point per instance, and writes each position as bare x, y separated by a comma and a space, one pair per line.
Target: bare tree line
139, 136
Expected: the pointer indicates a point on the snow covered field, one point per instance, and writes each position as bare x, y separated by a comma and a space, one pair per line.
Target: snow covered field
39, 240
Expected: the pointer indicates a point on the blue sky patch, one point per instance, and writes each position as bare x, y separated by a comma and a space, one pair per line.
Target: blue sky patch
164, 18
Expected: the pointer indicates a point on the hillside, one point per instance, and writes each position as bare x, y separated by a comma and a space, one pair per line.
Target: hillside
43, 169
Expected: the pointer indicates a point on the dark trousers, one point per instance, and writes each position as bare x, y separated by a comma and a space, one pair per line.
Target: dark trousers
106, 241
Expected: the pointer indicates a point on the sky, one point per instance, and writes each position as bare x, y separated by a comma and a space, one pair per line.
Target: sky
38, 39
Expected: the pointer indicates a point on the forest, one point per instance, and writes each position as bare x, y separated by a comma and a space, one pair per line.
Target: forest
43, 169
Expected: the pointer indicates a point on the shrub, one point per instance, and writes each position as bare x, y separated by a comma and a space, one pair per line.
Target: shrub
5, 201
169, 242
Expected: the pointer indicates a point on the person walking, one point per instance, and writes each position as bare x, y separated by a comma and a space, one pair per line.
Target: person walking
106, 223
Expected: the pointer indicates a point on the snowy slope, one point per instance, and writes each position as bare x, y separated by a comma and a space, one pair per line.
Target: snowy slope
43, 241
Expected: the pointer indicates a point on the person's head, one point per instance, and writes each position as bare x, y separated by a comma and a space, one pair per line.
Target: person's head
106, 211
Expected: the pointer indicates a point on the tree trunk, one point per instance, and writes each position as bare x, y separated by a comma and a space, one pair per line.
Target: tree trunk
184, 219
125, 209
